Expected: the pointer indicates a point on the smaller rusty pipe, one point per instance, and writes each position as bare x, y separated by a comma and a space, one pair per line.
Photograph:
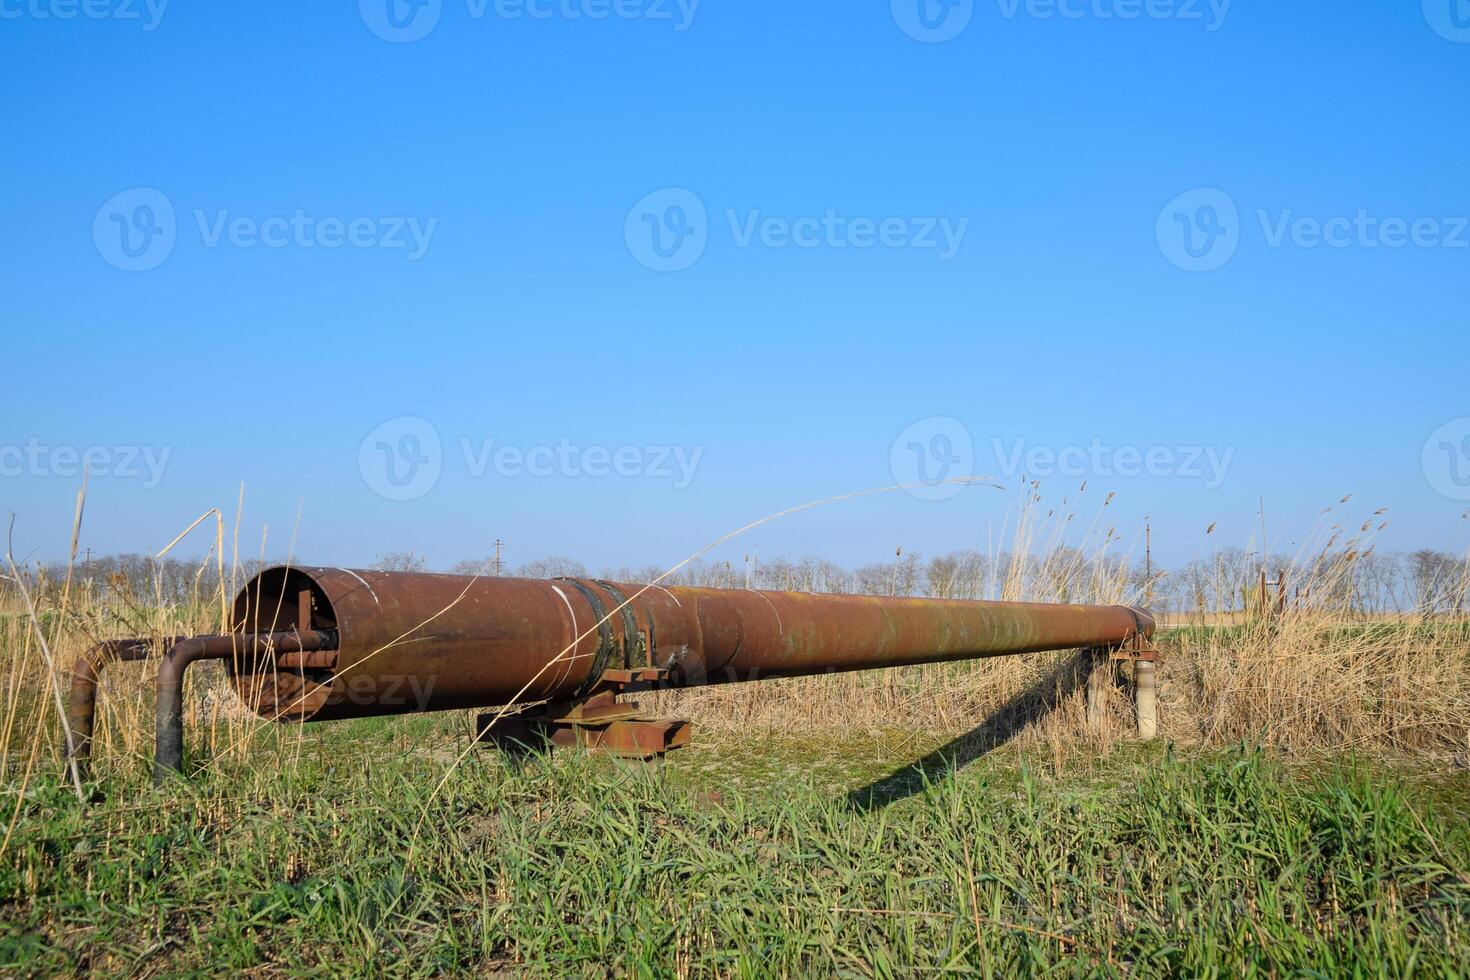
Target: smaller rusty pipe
168, 754
86, 674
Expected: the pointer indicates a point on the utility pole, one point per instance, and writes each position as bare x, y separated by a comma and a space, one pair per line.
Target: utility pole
1148, 562
497, 558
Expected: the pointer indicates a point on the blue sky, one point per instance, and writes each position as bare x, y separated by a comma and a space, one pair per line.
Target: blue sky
334, 231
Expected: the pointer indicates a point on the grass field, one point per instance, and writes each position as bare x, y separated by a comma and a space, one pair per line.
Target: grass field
1305, 810
771, 856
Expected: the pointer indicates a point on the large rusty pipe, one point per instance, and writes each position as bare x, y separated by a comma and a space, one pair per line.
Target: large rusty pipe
420, 642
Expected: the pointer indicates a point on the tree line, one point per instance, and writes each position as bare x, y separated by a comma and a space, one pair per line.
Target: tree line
1229, 580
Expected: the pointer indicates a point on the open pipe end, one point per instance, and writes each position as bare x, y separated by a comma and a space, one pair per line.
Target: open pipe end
276, 685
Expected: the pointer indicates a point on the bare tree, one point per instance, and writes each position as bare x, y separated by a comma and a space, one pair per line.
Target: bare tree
400, 561
474, 566
1437, 580
555, 566
957, 575
626, 573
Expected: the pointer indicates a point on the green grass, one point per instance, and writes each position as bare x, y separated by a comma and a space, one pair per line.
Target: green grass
777, 856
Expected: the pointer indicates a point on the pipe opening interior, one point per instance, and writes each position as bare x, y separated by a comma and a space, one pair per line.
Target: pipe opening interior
281, 600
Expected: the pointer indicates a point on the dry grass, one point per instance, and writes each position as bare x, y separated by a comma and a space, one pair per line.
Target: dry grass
367, 858
1316, 672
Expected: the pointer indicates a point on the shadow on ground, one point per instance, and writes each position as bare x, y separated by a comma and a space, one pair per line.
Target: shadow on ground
1035, 702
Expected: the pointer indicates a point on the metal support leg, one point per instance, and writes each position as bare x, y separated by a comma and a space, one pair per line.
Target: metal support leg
1099, 680
1145, 698
1144, 656
86, 674
168, 754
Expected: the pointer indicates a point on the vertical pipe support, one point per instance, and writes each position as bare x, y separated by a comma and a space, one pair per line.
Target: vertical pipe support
168, 753
1100, 677
86, 674
1145, 698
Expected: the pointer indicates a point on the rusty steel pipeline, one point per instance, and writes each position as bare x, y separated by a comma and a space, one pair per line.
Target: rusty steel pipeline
314, 644
422, 642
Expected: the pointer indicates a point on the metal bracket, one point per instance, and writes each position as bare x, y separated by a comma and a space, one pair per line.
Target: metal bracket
1139, 650
1136, 648
604, 634
598, 722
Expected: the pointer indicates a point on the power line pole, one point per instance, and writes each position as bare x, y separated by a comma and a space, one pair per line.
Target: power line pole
1148, 562
497, 558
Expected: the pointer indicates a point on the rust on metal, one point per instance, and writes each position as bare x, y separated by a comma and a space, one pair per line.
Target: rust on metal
85, 676
315, 644
476, 642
